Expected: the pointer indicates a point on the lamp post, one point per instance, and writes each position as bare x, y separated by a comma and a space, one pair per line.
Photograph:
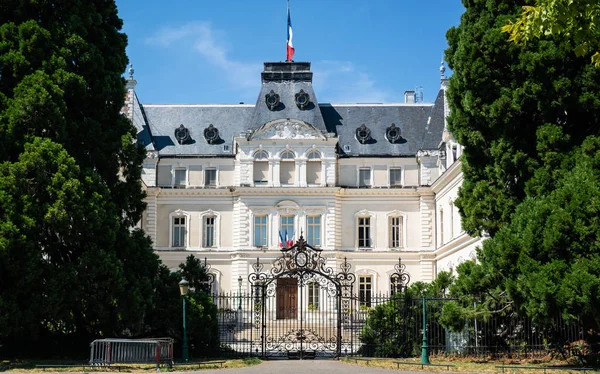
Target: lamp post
240, 292
184, 287
425, 346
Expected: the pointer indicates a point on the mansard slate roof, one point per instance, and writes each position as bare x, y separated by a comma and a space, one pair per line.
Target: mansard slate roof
421, 125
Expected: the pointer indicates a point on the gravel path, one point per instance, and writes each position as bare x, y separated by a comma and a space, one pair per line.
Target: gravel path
304, 367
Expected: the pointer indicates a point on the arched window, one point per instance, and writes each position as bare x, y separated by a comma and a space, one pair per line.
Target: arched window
287, 168
261, 168
313, 168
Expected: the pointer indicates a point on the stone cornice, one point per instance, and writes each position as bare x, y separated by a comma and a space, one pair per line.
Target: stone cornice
456, 245
283, 191
443, 180
384, 191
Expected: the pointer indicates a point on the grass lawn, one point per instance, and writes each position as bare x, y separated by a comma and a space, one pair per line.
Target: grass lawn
30, 366
465, 365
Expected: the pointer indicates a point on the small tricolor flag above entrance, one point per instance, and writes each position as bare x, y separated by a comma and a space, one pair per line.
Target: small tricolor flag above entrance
290, 46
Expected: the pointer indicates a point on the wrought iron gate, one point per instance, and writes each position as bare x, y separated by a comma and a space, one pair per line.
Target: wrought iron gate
299, 307
298, 303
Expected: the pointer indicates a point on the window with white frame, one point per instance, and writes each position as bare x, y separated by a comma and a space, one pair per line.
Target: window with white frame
313, 230
287, 168
210, 231
286, 229
261, 168
210, 177
365, 288
364, 232
180, 177
179, 232
395, 232
395, 177
313, 296
260, 230
313, 168
364, 177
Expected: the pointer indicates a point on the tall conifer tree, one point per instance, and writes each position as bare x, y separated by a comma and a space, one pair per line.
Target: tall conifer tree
70, 190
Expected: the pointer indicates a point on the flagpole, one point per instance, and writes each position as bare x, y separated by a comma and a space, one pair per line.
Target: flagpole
289, 44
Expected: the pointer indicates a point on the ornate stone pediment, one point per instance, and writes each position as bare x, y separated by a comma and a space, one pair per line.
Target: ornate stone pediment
287, 129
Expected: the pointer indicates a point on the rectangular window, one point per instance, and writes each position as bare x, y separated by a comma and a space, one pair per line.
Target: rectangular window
395, 232
364, 232
260, 231
313, 230
210, 177
287, 230
364, 290
180, 179
261, 172
179, 232
395, 177
313, 296
364, 177
209, 232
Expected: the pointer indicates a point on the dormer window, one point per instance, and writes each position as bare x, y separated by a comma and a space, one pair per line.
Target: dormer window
392, 134
182, 134
272, 100
302, 99
211, 134
363, 134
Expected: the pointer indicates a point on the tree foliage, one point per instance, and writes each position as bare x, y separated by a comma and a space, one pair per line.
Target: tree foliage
501, 97
579, 20
165, 318
389, 330
71, 264
528, 118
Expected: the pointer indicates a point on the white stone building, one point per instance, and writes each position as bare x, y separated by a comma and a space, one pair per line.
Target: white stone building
368, 182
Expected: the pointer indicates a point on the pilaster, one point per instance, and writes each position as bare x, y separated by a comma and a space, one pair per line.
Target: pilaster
426, 206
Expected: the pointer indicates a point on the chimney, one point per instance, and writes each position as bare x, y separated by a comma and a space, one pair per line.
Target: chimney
409, 97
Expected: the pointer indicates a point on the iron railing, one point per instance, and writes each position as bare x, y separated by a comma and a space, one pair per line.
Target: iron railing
384, 326
105, 352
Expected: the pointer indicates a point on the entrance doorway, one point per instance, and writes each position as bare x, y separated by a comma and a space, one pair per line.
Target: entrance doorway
287, 298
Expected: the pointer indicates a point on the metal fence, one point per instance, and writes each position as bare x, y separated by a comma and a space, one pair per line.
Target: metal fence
394, 328
104, 352
381, 326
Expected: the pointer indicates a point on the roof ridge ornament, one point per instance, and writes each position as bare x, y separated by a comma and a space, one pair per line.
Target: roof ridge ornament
442, 70
131, 71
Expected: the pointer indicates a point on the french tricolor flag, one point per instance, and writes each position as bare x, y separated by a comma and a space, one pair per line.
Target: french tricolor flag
290, 34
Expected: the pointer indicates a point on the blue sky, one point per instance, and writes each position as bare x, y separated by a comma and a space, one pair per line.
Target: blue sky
211, 52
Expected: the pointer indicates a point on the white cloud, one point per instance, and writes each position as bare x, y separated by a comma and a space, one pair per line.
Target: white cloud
334, 81
207, 42
342, 82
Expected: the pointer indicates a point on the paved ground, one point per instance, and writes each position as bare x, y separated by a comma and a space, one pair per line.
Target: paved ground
304, 367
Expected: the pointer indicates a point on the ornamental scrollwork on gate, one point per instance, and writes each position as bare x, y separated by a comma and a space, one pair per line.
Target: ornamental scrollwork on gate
301, 258
400, 278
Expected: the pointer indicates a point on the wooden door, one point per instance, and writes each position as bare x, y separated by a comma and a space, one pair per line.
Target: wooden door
287, 298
